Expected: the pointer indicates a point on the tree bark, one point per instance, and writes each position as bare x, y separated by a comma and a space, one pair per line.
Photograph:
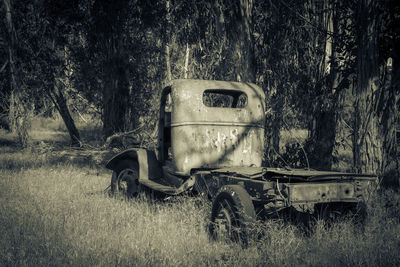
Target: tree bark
19, 110
389, 120
167, 40
116, 96
58, 98
324, 140
393, 143
186, 67
110, 20
368, 136
323, 132
273, 124
243, 44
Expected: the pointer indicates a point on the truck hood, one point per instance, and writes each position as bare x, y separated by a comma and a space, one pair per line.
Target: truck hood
292, 174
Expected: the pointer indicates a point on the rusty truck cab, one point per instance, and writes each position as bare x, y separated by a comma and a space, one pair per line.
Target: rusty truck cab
211, 124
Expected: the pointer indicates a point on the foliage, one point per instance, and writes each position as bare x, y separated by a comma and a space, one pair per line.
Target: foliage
93, 57
293, 156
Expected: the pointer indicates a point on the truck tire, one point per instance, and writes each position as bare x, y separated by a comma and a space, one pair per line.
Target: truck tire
125, 179
233, 215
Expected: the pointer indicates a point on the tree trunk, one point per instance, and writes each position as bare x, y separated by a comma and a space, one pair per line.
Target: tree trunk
186, 67
368, 136
167, 40
325, 121
60, 103
324, 140
389, 120
116, 96
168, 62
19, 109
395, 146
12, 110
117, 115
273, 124
243, 45
323, 128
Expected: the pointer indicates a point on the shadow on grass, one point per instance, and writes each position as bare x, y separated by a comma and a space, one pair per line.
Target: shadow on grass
12, 158
8, 142
50, 148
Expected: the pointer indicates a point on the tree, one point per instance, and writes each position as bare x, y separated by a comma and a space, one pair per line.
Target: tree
333, 80
19, 108
242, 41
389, 99
233, 22
123, 53
108, 40
305, 67
39, 63
274, 64
4, 74
376, 103
51, 64
167, 39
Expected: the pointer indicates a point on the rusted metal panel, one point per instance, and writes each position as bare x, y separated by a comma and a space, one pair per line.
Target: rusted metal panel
204, 136
322, 192
313, 175
149, 166
188, 107
126, 154
246, 172
211, 181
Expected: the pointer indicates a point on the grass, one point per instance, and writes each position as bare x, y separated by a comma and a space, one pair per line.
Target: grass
56, 213
53, 131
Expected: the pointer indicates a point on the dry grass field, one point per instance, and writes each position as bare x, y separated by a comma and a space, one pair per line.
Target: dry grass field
56, 212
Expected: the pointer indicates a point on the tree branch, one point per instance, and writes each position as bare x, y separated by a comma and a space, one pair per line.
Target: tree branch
4, 66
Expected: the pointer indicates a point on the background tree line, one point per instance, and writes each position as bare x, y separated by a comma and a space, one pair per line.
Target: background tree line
331, 67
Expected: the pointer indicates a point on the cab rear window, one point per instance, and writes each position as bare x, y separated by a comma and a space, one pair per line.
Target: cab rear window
219, 98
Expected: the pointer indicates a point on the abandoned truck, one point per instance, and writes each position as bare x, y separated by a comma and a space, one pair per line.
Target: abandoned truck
211, 141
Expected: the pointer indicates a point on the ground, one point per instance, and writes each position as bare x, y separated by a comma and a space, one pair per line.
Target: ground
55, 210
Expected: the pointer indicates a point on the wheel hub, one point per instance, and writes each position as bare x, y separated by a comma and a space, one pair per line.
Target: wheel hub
128, 182
223, 223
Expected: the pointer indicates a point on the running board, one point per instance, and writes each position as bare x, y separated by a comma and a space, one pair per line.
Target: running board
169, 190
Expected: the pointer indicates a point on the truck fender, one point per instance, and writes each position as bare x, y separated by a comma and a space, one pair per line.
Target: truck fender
149, 166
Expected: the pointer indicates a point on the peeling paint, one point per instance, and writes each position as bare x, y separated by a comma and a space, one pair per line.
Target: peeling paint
234, 136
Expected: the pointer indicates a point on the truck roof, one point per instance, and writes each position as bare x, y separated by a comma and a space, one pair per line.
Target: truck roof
189, 100
201, 85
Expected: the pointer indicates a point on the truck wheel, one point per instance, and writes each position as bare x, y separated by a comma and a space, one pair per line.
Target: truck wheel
232, 215
125, 179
